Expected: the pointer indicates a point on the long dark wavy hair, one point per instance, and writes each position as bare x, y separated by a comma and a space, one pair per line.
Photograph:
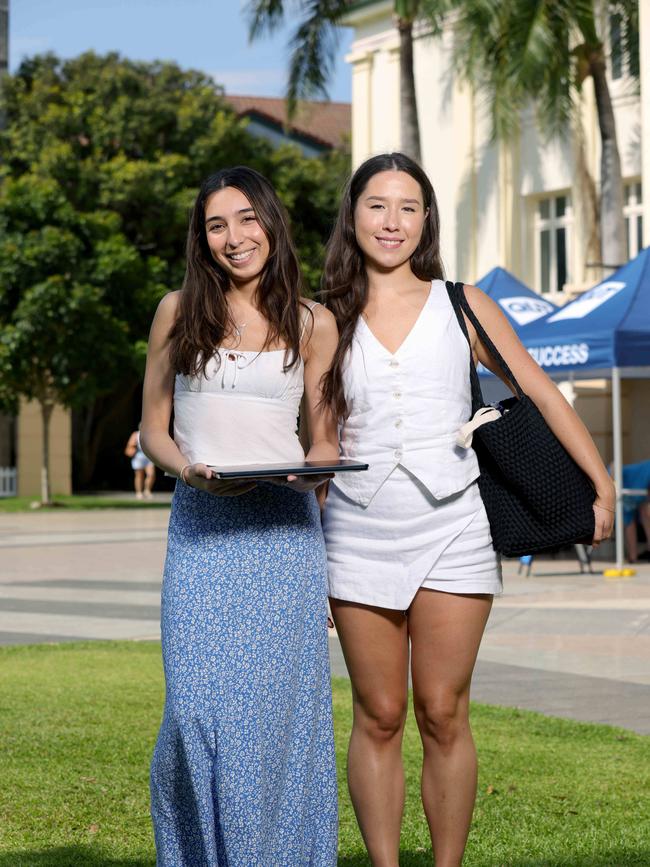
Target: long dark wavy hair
345, 281
204, 318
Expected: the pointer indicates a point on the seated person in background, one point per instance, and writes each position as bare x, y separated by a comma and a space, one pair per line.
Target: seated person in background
636, 507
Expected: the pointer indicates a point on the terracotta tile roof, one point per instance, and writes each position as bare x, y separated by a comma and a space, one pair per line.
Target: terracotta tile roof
326, 122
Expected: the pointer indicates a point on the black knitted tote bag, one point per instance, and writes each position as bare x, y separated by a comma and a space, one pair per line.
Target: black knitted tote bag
536, 497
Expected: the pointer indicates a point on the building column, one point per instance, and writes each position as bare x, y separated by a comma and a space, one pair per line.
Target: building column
29, 429
644, 60
361, 106
509, 204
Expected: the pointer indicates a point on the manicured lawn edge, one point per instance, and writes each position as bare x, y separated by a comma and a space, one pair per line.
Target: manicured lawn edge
78, 722
76, 502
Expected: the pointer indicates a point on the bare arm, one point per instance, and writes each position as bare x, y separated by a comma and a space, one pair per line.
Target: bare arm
157, 400
319, 353
158, 392
321, 427
558, 413
131, 446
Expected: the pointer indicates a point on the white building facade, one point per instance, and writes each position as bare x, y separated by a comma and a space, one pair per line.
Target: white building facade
526, 204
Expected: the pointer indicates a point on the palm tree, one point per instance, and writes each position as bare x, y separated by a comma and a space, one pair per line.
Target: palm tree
515, 51
315, 40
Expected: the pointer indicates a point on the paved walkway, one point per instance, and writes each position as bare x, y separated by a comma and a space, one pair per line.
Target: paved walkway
558, 642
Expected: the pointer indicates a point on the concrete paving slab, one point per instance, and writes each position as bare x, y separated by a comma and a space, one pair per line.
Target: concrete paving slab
591, 699
75, 627
560, 642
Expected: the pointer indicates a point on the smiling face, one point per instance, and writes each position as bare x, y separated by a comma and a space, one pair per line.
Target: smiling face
389, 218
236, 239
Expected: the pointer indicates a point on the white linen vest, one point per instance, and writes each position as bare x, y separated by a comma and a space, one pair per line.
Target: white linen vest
406, 407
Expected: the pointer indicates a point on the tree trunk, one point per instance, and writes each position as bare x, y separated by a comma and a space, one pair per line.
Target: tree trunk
90, 426
612, 223
46, 415
410, 127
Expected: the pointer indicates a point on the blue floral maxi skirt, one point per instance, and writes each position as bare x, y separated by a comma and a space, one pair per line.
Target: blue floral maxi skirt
243, 772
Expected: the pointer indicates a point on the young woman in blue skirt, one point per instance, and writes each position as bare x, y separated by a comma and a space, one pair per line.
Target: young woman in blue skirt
243, 772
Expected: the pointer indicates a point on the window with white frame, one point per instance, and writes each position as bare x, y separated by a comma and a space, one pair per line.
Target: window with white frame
633, 213
623, 46
553, 222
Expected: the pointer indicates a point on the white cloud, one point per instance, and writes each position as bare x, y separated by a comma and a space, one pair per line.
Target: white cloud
251, 82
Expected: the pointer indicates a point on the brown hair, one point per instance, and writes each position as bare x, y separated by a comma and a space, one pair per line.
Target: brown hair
345, 282
203, 316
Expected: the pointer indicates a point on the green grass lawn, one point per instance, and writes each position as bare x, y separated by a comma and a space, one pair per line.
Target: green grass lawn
76, 502
78, 723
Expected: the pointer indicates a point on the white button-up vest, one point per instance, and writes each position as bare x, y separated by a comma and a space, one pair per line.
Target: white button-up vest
406, 408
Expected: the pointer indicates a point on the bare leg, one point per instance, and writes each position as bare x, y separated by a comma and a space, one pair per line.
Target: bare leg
375, 646
149, 479
644, 517
138, 482
446, 631
631, 542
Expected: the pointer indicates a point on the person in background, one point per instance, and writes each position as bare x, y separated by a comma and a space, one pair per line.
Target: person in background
636, 508
243, 772
144, 471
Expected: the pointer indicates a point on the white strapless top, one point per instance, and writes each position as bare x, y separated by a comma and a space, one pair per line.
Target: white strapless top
243, 410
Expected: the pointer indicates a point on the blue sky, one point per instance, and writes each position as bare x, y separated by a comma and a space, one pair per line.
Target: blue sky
210, 35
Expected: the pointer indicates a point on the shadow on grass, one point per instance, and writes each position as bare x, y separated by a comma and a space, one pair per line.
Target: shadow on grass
70, 856
406, 859
603, 859
87, 856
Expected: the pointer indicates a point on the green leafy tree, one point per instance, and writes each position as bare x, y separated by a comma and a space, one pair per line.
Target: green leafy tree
100, 161
61, 346
316, 38
516, 52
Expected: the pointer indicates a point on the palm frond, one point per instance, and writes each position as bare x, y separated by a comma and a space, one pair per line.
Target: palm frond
313, 49
586, 22
517, 51
435, 12
482, 57
264, 16
407, 9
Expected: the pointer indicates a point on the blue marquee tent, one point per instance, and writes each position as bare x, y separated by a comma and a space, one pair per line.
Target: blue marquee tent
605, 328
521, 305
605, 332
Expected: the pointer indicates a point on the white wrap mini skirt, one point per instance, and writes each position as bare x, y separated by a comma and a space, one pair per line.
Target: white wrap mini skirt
405, 540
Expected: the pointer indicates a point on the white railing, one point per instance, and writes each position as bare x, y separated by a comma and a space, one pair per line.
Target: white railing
8, 478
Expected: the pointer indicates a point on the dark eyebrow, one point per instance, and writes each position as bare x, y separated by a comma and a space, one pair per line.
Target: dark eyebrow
243, 211
383, 199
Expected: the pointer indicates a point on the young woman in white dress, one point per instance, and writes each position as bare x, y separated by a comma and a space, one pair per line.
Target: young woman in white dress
410, 555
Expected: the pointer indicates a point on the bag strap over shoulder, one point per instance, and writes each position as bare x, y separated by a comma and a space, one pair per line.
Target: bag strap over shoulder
461, 305
475, 385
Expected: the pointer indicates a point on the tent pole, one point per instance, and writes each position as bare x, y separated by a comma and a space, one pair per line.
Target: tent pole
618, 462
